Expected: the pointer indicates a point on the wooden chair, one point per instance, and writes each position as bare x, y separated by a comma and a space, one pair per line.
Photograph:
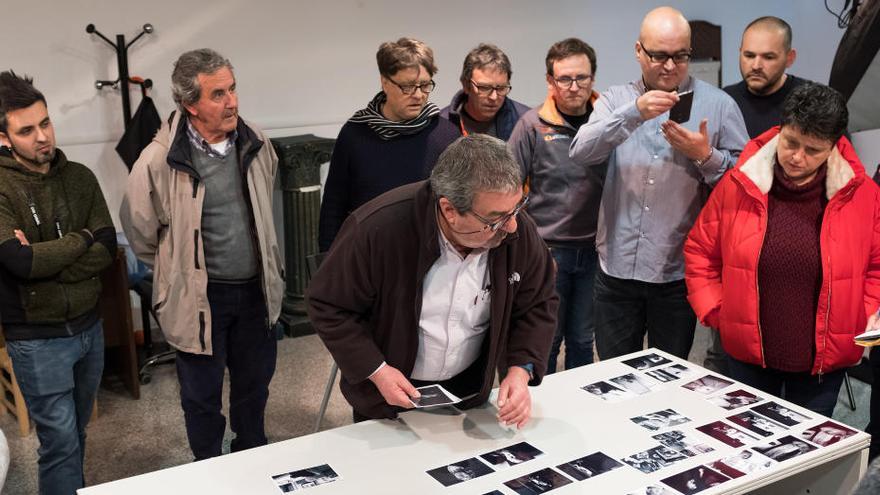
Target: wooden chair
11, 399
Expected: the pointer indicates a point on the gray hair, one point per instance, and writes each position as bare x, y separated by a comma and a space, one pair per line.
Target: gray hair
185, 77
474, 163
485, 55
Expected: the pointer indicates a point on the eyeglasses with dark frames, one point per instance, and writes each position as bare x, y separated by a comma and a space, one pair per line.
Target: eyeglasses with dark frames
678, 58
502, 221
485, 90
409, 89
566, 82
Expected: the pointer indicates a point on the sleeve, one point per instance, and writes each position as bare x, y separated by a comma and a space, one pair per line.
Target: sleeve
727, 143
141, 213
703, 261
338, 311
872, 272
535, 304
100, 254
522, 146
336, 201
608, 127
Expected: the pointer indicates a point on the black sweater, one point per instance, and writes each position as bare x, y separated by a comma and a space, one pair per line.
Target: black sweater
364, 166
762, 112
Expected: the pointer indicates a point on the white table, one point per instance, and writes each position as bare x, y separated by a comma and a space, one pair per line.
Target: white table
391, 457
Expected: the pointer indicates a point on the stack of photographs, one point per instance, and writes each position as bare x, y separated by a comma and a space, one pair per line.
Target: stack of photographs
660, 419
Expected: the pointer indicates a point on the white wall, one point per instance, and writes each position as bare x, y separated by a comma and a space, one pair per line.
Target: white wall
306, 66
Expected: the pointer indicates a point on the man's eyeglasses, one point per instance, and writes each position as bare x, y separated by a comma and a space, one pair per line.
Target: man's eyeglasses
502, 221
682, 57
409, 89
565, 82
484, 90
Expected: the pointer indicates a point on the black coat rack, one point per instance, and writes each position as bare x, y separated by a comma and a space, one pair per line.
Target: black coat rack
122, 61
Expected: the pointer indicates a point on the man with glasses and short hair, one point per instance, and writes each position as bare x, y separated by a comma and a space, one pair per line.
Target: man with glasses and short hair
482, 106
565, 196
659, 174
442, 281
394, 141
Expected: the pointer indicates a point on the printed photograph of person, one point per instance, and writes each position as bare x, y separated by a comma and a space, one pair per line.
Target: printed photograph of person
538, 482
756, 423
695, 480
785, 448
676, 440
653, 490
707, 384
827, 433
780, 413
589, 466
433, 396
305, 478
645, 362
633, 383
648, 461
607, 391
734, 400
660, 419
742, 464
458, 472
511, 456
727, 434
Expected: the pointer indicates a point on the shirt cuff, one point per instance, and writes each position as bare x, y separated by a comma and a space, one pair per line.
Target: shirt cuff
529, 367
377, 370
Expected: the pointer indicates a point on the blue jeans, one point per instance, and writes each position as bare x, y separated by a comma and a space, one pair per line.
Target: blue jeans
818, 394
576, 271
59, 380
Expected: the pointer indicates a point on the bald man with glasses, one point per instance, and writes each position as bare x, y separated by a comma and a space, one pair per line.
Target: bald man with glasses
659, 174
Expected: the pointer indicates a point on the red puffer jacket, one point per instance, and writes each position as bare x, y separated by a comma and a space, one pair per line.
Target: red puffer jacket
722, 251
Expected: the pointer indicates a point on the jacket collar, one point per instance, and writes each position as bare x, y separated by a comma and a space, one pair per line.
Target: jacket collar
8, 161
175, 138
843, 164
550, 114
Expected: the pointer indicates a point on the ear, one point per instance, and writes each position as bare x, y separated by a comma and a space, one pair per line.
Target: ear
191, 110
4, 139
448, 210
790, 58
638, 48
550, 83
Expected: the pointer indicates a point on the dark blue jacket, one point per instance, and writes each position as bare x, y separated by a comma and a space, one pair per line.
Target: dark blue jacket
506, 118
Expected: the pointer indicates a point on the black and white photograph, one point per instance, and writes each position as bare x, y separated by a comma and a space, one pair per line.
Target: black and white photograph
735, 399
785, 448
645, 362
727, 434
780, 413
653, 490
660, 419
457, 472
305, 478
695, 480
589, 466
631, 382
648, 461
607, 391
494, 492
827, 433
741, 464
677, 440
538, 482
707, 384
511, 456
661, 375
757, 423
434, 396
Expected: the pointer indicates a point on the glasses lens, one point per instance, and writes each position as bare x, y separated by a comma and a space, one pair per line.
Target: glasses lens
428, 87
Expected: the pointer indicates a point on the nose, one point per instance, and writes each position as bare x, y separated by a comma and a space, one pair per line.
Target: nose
510, 226
669, 64
757, 63
493, 95
232, 101
41, 135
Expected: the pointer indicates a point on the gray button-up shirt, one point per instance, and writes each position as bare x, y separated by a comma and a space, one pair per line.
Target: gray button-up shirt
652, 192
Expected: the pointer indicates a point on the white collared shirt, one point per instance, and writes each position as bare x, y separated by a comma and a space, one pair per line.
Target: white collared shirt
456, 298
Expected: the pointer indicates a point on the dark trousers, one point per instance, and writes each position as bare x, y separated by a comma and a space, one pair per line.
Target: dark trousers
814, 392
626, 310
242, 341
874, 426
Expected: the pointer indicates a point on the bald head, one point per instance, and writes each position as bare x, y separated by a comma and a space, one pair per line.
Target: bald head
665, 36
664, 21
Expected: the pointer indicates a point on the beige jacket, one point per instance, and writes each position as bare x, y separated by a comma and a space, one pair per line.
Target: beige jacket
161, 215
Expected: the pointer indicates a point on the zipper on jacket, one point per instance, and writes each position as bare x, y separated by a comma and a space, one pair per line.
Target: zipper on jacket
758, 286
202, 330
196, 248
195, 183
828, 300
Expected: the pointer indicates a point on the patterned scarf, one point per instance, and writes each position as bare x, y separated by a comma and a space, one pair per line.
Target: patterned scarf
388, 129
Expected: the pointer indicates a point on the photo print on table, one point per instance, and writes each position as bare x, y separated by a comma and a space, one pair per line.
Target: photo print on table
741, 464
757, 423
460, 471
707, 384
653, 459
785, 448
695, 480
494, 492
660, 419
780, 413
677, 440
636, 384
826, 433
305, 478
511, 456
434, 396
645, 362
589, 466
734, 400
538, 482
727, 434
653, 490
607, 391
